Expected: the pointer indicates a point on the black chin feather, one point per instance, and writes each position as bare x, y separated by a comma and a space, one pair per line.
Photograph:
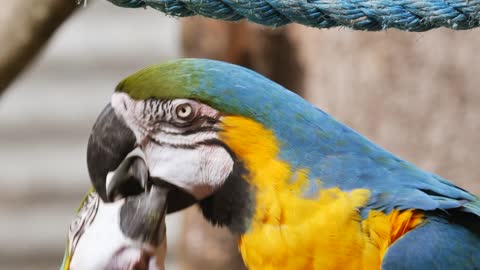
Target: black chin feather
233, 204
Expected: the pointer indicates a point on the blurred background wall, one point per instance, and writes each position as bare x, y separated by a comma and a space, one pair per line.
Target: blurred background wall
416, 94
46, 117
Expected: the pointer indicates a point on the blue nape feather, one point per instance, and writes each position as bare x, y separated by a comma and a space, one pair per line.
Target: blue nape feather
331, 151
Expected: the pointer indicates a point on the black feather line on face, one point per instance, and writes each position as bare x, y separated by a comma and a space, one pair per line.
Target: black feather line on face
200, 129
190, 132
183, 146
225, 146
195, 123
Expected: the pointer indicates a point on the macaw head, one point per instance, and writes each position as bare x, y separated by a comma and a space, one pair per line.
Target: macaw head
205, 127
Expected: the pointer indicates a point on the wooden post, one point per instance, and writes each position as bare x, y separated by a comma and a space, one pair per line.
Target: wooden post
269, 52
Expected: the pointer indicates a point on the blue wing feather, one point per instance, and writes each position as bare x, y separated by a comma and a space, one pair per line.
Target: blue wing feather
449, 242
473, 207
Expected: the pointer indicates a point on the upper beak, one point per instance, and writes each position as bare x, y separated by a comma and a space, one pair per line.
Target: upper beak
110, 142
110, 158
142, 217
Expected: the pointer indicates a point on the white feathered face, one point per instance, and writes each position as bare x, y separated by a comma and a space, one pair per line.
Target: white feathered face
179, 139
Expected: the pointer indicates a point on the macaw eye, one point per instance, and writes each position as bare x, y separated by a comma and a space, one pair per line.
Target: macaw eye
184, 111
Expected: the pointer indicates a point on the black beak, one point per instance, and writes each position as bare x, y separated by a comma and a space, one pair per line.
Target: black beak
142, 217
129, 179
110, 142
110, 151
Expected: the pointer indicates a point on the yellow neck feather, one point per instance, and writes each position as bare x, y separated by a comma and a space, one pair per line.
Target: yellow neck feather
292, 232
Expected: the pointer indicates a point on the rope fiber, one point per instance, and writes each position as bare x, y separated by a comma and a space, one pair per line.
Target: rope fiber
368, 15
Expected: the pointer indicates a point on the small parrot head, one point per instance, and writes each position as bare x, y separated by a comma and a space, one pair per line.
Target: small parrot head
124, 235
203, 126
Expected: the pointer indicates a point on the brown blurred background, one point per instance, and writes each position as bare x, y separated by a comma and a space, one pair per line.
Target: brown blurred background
415, 94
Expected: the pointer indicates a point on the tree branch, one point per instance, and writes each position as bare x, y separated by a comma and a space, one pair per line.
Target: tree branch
25, 27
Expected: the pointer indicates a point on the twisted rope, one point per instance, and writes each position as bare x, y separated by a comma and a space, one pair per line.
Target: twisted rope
369, 15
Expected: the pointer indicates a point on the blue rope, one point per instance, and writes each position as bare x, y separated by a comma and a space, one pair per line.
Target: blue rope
369, 15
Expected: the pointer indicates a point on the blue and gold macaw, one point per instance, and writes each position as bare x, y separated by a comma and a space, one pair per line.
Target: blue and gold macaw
303, 190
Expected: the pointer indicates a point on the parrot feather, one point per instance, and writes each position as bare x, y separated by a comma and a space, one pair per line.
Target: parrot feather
307, 137
324, 196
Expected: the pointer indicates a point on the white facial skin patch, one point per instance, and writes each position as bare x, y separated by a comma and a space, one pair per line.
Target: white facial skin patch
200, 171
180, 141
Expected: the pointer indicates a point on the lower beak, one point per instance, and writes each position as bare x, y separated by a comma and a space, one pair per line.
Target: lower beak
142, 217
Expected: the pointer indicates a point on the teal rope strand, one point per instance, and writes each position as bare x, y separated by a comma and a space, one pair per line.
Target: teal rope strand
368, 15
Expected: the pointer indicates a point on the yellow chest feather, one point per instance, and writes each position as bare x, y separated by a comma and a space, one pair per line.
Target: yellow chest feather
326, 233
292, 232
